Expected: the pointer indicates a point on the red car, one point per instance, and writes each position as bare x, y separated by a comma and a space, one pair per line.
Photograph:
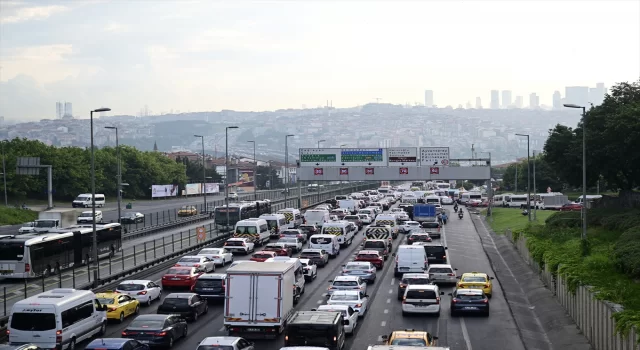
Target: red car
372, 256
278, 248
263, 256
571, 207
184, 277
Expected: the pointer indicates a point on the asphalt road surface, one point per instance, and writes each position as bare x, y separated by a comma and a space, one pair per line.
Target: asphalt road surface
384, 314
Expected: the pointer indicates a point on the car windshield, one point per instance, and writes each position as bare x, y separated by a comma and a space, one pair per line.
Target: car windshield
215, 347
310, 254
130, 287
185, 208
234, 243
344, 297
106, 301
409, 342
290, 233
129, 215
470, 296
345, 283
179, 272
189, 260
356, 267
306, 228
430, 225
85, 215
474, 279
288, 240
262, 256
413, 223
421, 294
151, 324
440, 270
416, 280
175, 302
368, 256
247, 229
320, 240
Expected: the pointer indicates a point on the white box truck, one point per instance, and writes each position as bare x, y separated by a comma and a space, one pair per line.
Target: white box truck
259, 299
55, 219
349, 204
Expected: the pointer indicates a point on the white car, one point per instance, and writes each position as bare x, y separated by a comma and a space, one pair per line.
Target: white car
348, 313
397, 210
27, 227
87, 217
376, 209
446, 200
408, 226
310, 269
291, 242
220, 256
366, 219
233, 195
442, 273
226, 343
145, 291
421, 299
351, 298
297, 233
198, 261
241, 262
240, 245
347, 283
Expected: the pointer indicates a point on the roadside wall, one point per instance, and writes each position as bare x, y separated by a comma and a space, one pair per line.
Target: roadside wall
592, 316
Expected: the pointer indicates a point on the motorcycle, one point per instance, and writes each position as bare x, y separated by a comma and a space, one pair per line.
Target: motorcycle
460, 215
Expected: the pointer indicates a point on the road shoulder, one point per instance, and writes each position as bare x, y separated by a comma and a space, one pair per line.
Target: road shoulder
542, 321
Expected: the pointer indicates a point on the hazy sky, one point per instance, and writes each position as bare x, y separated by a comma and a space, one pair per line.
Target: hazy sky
242, 55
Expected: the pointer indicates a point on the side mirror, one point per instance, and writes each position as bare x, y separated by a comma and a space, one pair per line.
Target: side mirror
314, 309
182, 320
455, 269
393, 254
450, 294
104, 308
446, 248
490, 278
436, 338
442, 293
345, 322
458, 277
366, 295
384, 337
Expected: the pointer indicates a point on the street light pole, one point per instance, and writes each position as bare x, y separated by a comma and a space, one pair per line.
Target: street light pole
286, 168
255, 172
528, 176
535, 203
119, 176
96, 272
226, 169
584, 170
4, 175
204, 175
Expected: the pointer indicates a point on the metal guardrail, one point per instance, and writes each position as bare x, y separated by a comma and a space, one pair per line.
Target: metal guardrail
155, 264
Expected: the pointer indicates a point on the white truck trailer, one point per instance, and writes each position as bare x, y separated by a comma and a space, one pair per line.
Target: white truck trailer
55, 219
552, 202
259, 299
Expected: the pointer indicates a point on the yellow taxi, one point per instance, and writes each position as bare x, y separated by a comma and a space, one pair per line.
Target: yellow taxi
118, 305
476, 280
187, 210
410, 337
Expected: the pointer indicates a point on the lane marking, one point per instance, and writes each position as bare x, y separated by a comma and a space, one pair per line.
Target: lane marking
222, 329
465, 334
389, 301
393, 281
383, 323
390, 291
386, 311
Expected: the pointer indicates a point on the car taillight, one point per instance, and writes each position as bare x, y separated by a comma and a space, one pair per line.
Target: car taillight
161, 334
27, 267
486, 286
244, 244
124, 334
462, 286
281, 236
216, 257
177, 265
197, 265
330, 288
485, 301
451, 274
358, 305
144, 292
444, 256
454, 300
112, 308
438, 300
404, 300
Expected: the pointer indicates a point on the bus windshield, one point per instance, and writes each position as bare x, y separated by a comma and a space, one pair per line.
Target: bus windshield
221, 216
12, 251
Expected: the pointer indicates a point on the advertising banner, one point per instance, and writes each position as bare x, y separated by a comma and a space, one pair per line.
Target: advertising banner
159, 191
213, 188
194, 189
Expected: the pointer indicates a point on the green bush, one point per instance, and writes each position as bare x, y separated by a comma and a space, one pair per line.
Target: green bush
564, 219
626, 252
12, 216
621, 221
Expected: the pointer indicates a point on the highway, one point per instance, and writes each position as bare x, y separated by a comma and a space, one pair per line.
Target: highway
384, 314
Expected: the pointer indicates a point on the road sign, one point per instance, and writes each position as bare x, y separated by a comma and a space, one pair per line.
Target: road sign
28, 166
434, 171
434, 156
404, 171
402, 156
343, 157
202, 233
318, 171
368, 171
344, 171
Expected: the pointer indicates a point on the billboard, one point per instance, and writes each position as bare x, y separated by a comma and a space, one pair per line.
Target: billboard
402, 156
158, 191
434, 156
343, 157
192, 189
213, 188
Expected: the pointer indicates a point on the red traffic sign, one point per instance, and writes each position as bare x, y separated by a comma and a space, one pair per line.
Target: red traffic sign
344, 171
404, 171
434, 171
318, 171
444, 162
368, 171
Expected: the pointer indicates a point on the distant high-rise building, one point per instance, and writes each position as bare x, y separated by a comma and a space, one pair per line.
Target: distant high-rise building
557, 100
478, 103
495, 99
519, 102
534, 101
578, 95
469, 105
428, 98
59, 110
596, 95
68, 110
506, 98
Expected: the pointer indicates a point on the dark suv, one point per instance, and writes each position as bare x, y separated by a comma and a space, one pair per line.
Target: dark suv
436, 252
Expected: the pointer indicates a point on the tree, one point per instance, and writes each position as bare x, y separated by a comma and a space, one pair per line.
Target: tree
545, 176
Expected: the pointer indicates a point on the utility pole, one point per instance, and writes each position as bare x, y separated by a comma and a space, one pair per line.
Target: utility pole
96, 272
204, 175
119, 176
517, 165
535, 203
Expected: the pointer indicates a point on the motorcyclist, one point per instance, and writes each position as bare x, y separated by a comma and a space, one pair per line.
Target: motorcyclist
455, 207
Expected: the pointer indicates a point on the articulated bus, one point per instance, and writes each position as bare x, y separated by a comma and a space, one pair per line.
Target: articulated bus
239, 211
37, 254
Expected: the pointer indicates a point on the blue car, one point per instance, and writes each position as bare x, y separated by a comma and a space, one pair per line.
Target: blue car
116, 344
471, 301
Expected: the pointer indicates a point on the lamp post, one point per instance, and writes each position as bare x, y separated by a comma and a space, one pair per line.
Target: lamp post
584, 168
226, 169
119, 175
490, 187
286, 168
4, 175
528, 176
255, 172
204, 175
96, 272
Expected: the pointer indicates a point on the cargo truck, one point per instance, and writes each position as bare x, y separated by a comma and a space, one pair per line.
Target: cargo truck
552, 202
424, 212
259, 299
55, 219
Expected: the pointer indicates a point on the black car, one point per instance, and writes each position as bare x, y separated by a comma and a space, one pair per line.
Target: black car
160, 330
132, 218
309, 230
436, 252
187, 305
317, 256
211, 286
469, 301
411, 278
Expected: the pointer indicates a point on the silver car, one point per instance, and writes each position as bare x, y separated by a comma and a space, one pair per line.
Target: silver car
362, 269
442, 274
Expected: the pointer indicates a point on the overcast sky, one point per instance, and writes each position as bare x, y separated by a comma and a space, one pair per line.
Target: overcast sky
242, 55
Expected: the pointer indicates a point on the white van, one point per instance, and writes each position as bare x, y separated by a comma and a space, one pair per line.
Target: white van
293, 217
368, 211
410, 259
340, 229
433, 199
57, 319
329, 243
276, 222
255, 229
517, 201
84, 201
316, 217
387, 220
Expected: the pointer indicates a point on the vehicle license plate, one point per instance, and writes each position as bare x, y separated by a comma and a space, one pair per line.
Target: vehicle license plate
207, 288
175, 279
470, 308
476, 287
253, 329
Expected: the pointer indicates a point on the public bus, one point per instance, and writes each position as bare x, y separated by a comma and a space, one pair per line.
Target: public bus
37, 254
239, 211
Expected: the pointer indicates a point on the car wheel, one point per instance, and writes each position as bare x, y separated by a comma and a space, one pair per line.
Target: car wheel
170, 345
206, 309
195, 316
103, 329
185, 332
72, 344
121, 319
137, 310
149, 301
